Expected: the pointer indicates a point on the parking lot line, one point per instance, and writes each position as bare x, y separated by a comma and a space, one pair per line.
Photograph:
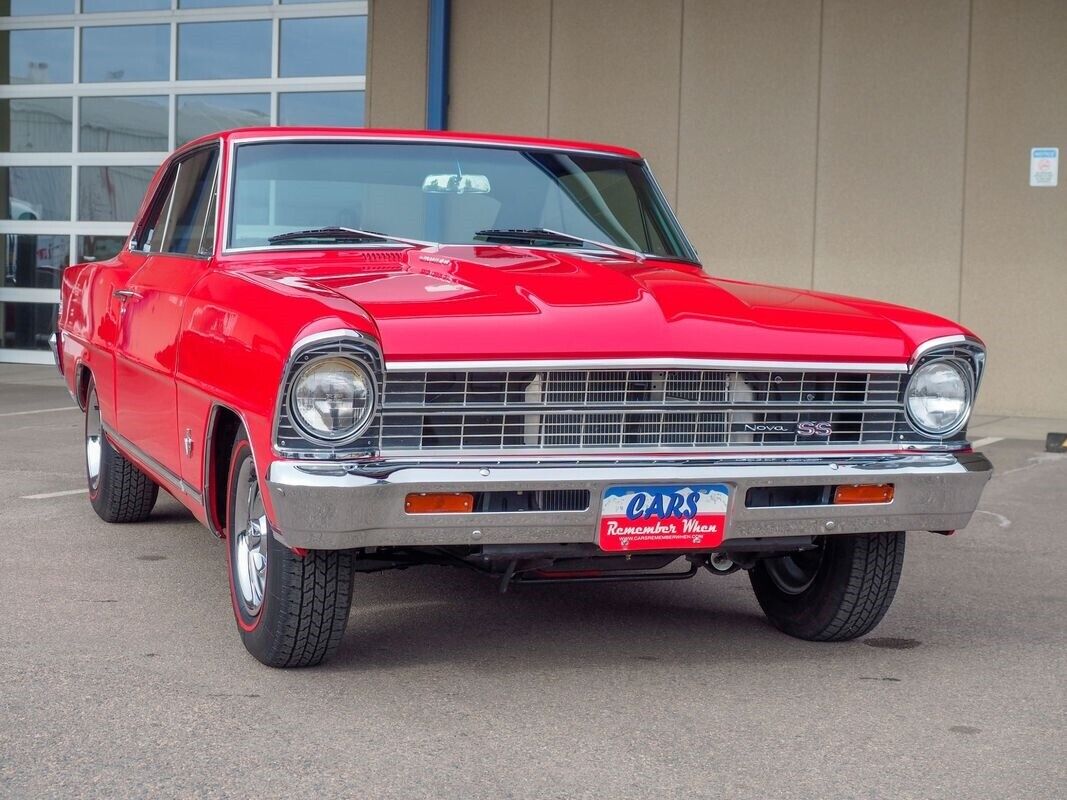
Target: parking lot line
50, 495
38, 411
987, 441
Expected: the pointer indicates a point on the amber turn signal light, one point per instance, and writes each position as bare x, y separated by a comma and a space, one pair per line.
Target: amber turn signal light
439, 503
863, 493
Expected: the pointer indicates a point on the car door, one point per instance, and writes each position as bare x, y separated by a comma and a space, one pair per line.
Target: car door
174, 249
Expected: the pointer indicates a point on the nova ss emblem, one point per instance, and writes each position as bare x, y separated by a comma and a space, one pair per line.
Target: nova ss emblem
799, 428
814, 429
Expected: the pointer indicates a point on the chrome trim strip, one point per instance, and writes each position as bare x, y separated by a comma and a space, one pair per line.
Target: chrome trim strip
649, 457
139, 455
944, 341
737, 365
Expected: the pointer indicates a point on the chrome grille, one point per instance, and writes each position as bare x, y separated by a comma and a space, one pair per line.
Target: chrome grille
638, 409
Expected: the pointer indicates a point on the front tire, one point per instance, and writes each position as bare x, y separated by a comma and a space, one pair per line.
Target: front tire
291, 610
118, 490
839, 591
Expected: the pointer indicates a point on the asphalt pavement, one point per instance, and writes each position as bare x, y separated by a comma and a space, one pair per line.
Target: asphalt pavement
122, 675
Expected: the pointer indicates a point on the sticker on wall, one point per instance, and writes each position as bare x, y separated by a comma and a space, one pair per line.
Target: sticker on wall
1044, 166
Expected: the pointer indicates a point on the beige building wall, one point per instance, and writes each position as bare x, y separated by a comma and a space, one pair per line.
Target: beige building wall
870, 147
396, 63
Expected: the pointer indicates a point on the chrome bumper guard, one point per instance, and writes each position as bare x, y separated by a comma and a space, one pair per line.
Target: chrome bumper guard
339, 506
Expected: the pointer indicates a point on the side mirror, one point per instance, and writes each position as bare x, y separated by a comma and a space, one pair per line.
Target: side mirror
456, 184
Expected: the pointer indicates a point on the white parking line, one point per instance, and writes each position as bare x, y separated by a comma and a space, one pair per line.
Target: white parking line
987, 441
50, 495
38, 411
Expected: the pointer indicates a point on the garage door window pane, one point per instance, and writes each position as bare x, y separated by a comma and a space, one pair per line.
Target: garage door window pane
99, 248
344, 109
39, 56
27, 326
35, 193
123, 124
36, 125
22, 8
126, 53
200, 114
34, 262
219, 3
111, 194
91, 6
217, 50
323, 46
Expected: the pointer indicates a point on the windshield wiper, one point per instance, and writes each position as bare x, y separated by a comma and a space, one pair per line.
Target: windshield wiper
341, 234
532, 235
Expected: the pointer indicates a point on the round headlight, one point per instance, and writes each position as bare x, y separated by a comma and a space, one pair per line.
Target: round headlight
332, 399
939, 397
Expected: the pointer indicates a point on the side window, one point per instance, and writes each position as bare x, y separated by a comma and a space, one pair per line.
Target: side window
183, 221
192, 204
150, 234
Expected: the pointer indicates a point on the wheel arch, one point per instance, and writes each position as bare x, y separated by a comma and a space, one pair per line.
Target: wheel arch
82, 375
222, 427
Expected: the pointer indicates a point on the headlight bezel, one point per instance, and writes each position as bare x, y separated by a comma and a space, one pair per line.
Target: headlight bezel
365, 419
290, 440
966, 372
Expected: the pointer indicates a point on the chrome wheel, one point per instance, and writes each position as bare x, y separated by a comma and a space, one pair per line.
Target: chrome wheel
795, 572
93, 442
250, 545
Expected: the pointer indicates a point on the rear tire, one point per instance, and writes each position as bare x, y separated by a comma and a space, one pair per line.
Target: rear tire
839, 592
118, 490
291, 610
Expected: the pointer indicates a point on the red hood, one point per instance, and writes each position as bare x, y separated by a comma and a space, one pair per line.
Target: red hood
490, 302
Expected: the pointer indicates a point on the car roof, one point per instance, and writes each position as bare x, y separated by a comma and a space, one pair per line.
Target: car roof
400, 135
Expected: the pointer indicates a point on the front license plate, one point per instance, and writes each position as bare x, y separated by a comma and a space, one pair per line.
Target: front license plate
683, 517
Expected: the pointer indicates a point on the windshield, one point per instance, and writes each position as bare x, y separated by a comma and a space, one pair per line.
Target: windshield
451, 194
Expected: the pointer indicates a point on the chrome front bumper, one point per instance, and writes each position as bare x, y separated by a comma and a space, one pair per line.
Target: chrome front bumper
338, 506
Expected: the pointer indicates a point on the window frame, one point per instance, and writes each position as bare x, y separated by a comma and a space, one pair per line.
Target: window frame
164, 195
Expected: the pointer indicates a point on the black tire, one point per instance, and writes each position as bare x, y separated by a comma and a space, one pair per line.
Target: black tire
118, 491
303, 600
834, 594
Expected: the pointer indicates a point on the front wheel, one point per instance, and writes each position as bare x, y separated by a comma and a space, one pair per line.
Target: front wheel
838, 591
291, 610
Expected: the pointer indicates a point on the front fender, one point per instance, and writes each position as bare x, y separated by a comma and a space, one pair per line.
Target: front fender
233, 348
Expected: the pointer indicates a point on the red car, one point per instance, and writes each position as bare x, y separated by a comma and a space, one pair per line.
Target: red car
353, 350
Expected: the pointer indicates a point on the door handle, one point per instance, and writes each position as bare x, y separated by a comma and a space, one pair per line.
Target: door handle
126, 294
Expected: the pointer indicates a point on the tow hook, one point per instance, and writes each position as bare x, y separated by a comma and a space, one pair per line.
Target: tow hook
721, 564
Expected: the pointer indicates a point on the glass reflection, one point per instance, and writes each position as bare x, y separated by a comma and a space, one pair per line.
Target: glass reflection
36, 125
27, 326
34, 193
323, 46
200, 114
123, 124
125, 53
24, 8
111, 194
220, 3
35, 262
343, 109
92, 6
37, 56
215, 50
99, 248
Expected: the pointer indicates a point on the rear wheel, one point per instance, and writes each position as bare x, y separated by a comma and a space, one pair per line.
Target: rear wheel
291, 610
118, 490
838, 591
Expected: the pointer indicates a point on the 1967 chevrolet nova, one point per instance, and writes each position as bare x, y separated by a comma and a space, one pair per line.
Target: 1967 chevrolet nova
353, 350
